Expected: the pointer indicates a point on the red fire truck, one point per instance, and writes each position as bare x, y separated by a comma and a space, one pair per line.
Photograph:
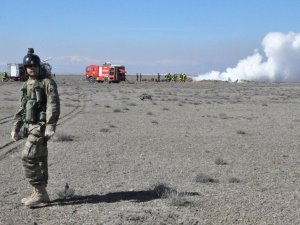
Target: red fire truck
106, 72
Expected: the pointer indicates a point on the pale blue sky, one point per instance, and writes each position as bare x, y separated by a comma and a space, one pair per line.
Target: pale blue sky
147, 36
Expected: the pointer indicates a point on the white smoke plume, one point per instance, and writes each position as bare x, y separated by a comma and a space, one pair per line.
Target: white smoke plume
278, 62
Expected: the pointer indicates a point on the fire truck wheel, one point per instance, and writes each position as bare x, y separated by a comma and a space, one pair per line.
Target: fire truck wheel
92, 79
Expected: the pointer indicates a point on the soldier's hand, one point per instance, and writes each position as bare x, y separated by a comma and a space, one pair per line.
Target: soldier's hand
14, 136
49, 131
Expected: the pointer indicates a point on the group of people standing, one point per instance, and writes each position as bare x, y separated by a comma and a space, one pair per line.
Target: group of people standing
168, 77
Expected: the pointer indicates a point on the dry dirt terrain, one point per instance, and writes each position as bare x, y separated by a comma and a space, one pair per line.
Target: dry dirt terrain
195, 153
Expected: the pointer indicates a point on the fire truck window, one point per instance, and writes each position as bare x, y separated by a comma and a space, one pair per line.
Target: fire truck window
94, 68
88, 69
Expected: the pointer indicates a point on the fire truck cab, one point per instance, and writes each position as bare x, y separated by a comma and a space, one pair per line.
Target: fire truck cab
106, 72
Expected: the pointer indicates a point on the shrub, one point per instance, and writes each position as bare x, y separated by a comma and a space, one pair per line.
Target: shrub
240, 132
234, 180
154, 122
162, 190
202, 178
67, 193
104, 130
220, 161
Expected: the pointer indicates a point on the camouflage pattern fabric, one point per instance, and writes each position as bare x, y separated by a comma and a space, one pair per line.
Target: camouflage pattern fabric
35, 155
52, 105
35, 152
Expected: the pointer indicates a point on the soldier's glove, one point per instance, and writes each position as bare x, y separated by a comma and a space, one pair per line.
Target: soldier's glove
49, 131
14, 136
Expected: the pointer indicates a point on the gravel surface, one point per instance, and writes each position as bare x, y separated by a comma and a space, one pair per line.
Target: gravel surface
161, 153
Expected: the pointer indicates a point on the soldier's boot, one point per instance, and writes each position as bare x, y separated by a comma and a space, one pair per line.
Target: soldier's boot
29, 197
41, 196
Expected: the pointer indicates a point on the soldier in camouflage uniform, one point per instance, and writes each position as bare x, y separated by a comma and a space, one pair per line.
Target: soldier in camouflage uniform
38, 112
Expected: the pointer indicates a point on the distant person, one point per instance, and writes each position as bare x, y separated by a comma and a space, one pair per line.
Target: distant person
39, 112
140, 77
4, 76
137, 77
158, 77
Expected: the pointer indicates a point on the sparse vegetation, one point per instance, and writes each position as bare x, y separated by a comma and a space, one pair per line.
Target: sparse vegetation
163, 190
177, 199
67, 193
117, 110
154, 122
104, 130
220, 161
240, 132
203, 178
234, 180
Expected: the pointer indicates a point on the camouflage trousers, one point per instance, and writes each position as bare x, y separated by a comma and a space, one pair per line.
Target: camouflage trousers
35, 156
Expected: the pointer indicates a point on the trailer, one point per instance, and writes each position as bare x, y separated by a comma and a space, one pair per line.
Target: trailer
105, 73
16, 72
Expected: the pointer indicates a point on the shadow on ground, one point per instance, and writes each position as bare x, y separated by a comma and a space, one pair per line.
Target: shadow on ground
136, 196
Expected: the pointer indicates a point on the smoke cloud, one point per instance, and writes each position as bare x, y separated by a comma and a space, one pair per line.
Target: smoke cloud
279, 61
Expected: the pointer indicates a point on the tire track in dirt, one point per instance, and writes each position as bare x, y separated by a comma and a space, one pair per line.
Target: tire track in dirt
6, 119
12, 146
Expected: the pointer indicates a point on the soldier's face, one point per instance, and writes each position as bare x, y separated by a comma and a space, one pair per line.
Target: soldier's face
32, 71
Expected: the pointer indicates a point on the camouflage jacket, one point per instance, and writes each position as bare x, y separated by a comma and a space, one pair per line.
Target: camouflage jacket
51, 103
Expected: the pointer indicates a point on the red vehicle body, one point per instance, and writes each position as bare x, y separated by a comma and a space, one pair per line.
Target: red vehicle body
106, 72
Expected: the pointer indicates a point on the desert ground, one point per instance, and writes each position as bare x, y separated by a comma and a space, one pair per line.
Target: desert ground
161, 153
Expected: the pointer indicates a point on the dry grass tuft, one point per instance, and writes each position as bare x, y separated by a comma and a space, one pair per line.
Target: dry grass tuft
117, 110
104, 130
240, 132
163, 190
67, 193
234, 180
203, 178
177, 199
220, 161
154, 122
173, 197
